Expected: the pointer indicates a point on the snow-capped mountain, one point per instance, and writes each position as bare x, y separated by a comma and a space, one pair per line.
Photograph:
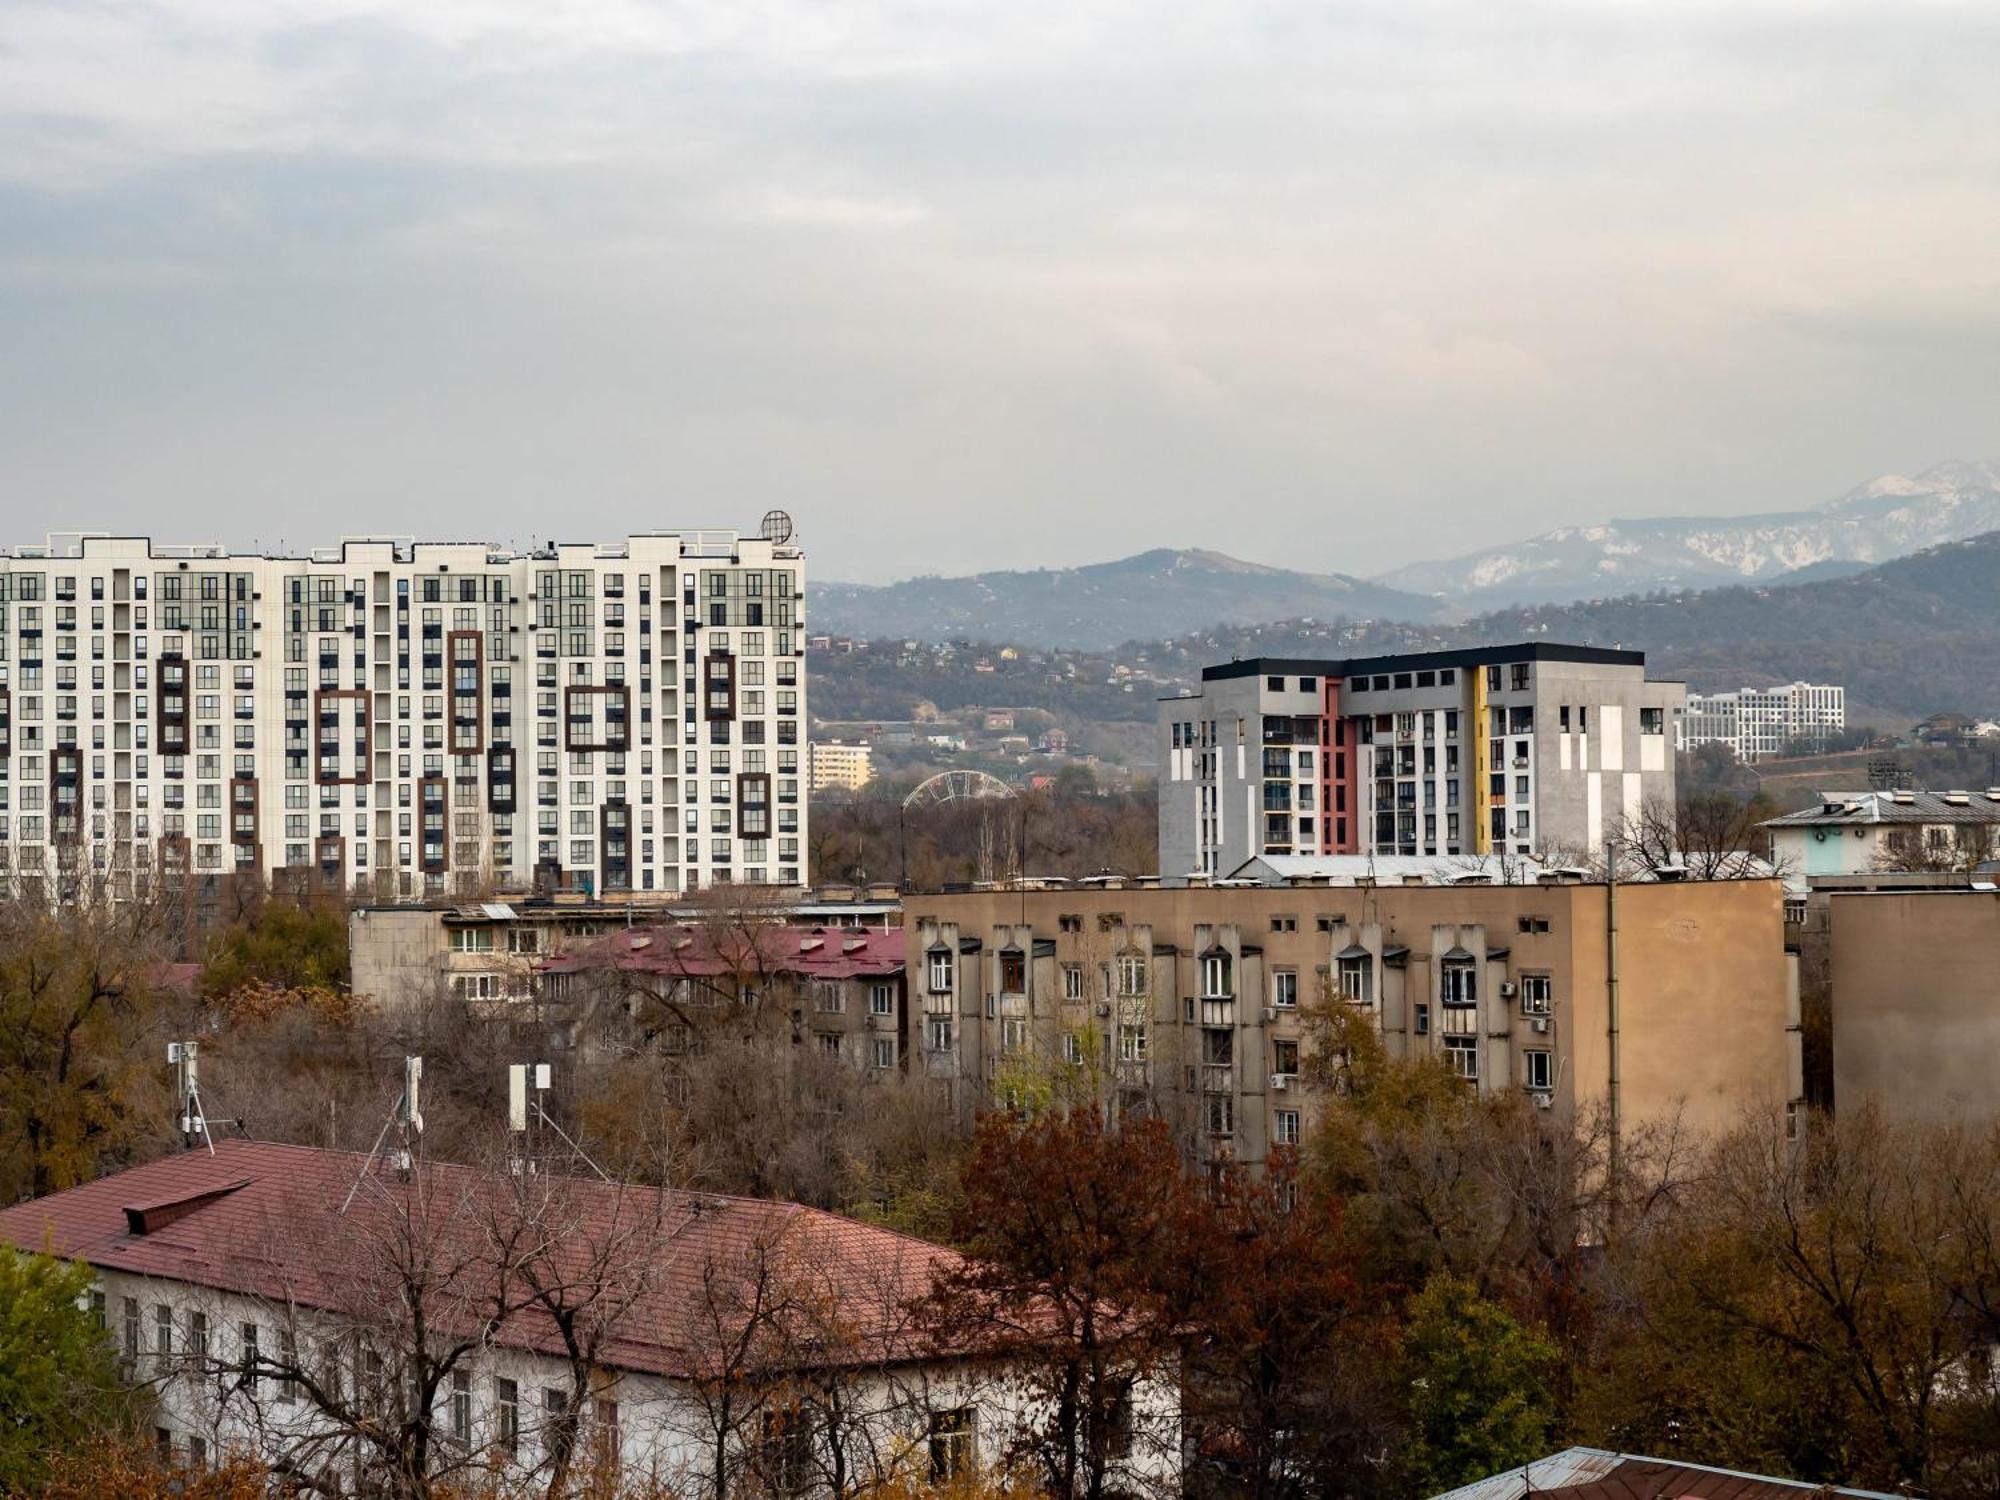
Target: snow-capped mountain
1887, 517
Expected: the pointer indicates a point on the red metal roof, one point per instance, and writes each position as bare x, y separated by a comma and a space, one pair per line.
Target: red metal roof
766, 949
267, 1220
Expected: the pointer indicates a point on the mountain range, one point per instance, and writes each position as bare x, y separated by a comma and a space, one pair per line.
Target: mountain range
1909, 637
1889, 516
1156, 593
1167, 592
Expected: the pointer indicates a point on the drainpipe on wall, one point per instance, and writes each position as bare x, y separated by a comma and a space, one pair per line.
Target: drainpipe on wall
1616, 1122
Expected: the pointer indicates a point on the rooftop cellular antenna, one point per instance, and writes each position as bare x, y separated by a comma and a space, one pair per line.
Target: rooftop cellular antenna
184, 1058
408, 1119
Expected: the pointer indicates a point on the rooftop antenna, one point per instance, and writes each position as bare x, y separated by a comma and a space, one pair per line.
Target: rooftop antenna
185, 1059
524, 1118
528, 1123
408, 1119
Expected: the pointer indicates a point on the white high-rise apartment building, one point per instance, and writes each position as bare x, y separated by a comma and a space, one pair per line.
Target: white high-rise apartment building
1758, 723
407, 718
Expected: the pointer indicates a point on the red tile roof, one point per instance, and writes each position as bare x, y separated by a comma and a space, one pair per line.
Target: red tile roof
765, 949
267, 1220
1597, 1474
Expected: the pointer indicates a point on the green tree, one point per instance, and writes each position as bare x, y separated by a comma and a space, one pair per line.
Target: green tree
59, 1381
1479, 1387
285, 944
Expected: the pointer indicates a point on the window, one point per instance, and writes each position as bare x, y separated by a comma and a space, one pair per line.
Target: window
1458, 981
1134, 977
881, 1000
828, 997
1013, 972
1534, 924
1537, 994
1462, 1052
1538, 1070
507, 1415
885, 1052
1132, 1043
1221, 1113
1284, 1058
1216, 977
1284, 924
941, 967
1422, 1023
1072, 1049
461, 1405
1072, 981
1357, 978
953, 1443
555, 1404
937, 1033
163, 1330
250, 1356
198, 1339
1652, 721
1285, 1131
1285, 988
131, 1342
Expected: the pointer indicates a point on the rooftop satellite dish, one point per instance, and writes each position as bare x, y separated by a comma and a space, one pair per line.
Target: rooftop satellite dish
777, 527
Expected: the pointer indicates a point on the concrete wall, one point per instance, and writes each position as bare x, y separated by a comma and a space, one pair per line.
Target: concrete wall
1708, 1020
1916, 1002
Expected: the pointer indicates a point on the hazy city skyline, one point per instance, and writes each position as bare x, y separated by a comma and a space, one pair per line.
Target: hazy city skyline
966, 287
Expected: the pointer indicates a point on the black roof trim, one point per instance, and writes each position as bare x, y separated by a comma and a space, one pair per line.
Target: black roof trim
1468, 656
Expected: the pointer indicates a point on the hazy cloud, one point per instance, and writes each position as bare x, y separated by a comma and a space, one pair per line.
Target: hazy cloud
966, 285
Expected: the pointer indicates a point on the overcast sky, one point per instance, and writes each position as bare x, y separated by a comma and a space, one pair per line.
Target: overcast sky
976, 283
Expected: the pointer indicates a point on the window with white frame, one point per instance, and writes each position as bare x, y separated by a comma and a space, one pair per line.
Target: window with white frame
1537, 994
1217, 977
885, 1052
1285, 988
1538, 1070
942, 968
1462, 1052
1072, 977
1285, 1128
881, 1000
1458, 981
1357, 978
1134, 974
954, 1439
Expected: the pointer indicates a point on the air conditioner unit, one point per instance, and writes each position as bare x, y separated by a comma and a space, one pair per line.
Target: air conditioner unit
1539, 1023
1545, 1101
1280, 1082
1104, 1007
1270, 1014
1507, 989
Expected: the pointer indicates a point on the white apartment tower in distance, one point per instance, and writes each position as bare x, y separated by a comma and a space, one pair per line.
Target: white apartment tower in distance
406, 718
1758, 723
